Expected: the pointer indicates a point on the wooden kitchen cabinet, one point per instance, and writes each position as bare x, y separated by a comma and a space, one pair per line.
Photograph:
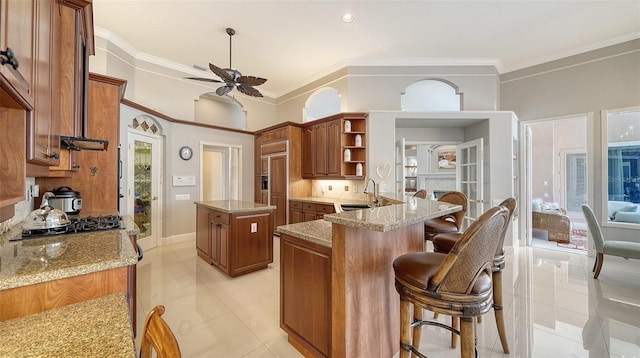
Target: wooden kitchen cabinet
17, 19
324, 142
305, 295
43, 143
236, 243
302, 211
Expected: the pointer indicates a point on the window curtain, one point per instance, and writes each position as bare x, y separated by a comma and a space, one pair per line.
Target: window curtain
616, 180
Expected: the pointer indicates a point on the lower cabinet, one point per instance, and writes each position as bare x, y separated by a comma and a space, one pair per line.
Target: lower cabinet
305, 299
236, 243
301, 211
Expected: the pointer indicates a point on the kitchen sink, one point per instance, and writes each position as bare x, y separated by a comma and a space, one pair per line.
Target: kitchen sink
351, 207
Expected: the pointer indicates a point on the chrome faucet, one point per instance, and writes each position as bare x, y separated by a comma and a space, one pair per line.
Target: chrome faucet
375, 192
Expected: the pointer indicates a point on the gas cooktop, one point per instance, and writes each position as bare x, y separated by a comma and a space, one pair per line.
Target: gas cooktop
85, 224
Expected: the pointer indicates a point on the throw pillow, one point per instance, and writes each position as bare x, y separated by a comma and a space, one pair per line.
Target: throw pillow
626, 217
631, 209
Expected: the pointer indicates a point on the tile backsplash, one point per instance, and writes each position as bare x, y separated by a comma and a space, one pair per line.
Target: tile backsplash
336, 189
22, 209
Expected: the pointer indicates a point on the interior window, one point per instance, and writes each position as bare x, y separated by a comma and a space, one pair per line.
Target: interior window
623, 165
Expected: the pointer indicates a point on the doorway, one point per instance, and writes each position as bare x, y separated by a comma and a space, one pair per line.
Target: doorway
220, 172
556, 187
143, 196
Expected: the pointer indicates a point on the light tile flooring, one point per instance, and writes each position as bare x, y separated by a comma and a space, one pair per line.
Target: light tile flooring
553, 307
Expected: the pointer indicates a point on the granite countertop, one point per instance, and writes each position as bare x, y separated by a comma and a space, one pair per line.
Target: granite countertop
94, 328
234, 206
391, 217
35, 260
317, 231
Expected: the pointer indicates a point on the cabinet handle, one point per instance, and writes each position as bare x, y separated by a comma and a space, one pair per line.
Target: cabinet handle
7, 57
75, 166
54, 155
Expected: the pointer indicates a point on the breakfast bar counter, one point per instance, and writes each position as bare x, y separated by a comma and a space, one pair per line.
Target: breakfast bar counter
95, 328
338, 297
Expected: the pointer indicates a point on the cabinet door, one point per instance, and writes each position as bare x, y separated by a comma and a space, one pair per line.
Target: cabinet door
214, 245
334, 150
306, 292
17, 19
295, 216
223, 246
264, 166
308, 150
320, 148
278, 183
42, 146
203, 233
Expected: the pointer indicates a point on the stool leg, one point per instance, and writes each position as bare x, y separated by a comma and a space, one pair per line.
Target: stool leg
405, 329
467, 337
497, 309
417, 330
455, 324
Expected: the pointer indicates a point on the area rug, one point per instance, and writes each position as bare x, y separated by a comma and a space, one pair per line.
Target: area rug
577, 241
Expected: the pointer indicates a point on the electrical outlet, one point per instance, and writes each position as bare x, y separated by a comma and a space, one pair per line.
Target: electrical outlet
183, 196
355, 189
346, 188
546, 195
330, 187
254, 227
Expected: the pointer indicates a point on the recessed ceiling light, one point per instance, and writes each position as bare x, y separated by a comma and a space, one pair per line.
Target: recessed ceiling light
347, 18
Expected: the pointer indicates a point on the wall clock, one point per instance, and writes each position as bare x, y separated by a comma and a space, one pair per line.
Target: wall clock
186, 153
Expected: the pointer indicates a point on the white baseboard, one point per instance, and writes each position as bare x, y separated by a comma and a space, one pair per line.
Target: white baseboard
191, 236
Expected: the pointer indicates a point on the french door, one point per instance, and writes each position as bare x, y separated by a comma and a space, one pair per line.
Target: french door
143, 196
470, 177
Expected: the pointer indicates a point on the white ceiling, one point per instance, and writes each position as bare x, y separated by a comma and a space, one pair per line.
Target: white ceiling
293, 42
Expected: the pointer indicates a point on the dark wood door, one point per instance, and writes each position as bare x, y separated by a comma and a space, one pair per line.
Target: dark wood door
278, 184
17, 18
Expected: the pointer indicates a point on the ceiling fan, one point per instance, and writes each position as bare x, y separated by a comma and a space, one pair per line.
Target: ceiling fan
233, 78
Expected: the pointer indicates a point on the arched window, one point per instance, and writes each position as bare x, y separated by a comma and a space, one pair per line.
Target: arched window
323, 102
146, 123
430, 96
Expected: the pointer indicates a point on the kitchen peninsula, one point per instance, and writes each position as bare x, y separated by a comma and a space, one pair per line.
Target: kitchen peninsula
235, 236
338, 297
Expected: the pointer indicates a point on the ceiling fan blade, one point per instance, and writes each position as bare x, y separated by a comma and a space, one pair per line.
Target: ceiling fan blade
220, 73
203, 79
251, 80
221, 91
248, 90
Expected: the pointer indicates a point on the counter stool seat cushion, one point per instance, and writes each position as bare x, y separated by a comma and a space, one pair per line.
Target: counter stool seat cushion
416, 269
444, 242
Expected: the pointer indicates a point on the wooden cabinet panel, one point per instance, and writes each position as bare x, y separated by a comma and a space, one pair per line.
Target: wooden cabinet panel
305, 294
305, 211
223, 246
308, 146
295, 216
334, 150
320, 149
43, 145
278, 188
252, 248
17, 19
203, 239
264, 166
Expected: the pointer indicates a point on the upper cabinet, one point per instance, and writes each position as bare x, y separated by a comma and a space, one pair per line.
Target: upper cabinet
17, 19
334, 147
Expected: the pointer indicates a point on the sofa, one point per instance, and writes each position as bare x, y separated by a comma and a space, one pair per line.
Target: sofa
551, 218
623, 211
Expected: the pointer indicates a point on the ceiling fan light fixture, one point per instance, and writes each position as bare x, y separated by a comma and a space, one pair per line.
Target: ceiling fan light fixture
347, 18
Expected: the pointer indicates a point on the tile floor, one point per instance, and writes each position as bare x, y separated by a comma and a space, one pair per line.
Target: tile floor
553, 307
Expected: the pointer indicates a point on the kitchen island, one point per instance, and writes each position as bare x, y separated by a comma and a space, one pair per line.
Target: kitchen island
338, 297
235, 236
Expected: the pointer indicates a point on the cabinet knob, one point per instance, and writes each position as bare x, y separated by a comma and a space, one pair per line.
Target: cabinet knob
54, 155
7, 57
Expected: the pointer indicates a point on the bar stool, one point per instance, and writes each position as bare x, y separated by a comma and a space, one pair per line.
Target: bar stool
422, 194
447, 223
443, 243
456, 284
